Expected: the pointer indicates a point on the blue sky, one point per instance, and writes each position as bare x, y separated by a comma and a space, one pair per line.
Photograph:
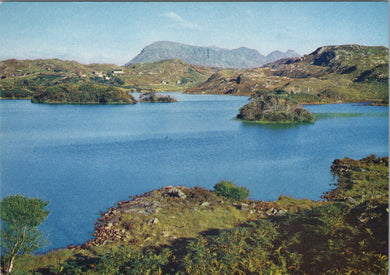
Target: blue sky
116, 32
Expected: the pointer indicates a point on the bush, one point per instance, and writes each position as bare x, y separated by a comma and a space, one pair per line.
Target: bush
229, 190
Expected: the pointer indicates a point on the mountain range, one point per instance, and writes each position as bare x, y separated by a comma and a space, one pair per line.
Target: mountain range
208, 56
343, 73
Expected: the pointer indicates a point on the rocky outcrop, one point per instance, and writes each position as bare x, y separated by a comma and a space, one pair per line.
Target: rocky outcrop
123, 222
107, 229
156, 98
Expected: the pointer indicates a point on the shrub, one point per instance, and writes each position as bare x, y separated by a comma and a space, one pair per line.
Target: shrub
249, 249
229, 190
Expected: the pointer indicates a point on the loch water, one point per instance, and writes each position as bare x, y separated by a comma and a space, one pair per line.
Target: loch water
85, 158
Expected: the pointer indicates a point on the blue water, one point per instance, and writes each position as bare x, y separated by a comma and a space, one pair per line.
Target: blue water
84, 159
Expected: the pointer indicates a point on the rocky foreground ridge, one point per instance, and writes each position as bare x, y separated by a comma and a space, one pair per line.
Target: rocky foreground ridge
114, 224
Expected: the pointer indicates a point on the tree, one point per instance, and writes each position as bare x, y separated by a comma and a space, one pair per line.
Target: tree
20, 217
229, 190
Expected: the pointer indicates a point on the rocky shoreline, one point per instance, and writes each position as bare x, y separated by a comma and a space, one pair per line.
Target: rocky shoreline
177, 229
108, 229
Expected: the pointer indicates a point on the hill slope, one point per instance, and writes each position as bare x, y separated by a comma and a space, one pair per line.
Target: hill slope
332, 73
207, 56
24, 78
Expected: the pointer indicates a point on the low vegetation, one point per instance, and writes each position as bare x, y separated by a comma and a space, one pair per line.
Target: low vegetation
82, 94
179, 230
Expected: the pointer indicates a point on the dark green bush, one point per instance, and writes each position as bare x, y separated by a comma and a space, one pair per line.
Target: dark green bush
127, 260
229, 190
241, 250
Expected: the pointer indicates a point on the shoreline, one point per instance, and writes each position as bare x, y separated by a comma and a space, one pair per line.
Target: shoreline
107, 228
368, 103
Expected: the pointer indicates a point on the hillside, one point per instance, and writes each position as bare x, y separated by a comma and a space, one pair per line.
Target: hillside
82, 94
207, 56
346, 73
165, 75
181, 230
24, 78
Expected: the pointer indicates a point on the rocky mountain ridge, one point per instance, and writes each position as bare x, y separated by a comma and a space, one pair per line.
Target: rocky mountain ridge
207, 56
345, 73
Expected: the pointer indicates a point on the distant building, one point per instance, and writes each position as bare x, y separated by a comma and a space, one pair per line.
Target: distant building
118, 71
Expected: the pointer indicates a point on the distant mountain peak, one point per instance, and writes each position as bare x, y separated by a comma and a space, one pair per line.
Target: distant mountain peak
211, 56
292, 52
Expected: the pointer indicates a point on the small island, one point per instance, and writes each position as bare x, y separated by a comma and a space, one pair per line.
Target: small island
82, 94
274, 108
153, 97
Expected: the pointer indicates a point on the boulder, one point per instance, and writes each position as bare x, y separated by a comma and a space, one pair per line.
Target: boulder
243, 206
271, 212
153, 221
175, 192
281, 212
204, 204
